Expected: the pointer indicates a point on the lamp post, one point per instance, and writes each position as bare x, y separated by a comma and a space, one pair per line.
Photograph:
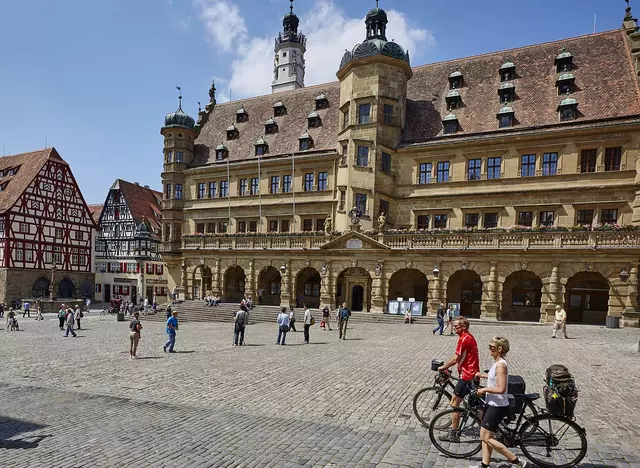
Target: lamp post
436, 271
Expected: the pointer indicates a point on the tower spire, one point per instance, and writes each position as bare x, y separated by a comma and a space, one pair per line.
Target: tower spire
291, 7
179, 97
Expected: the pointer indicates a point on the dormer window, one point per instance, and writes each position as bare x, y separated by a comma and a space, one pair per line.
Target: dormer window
222, 152
564, 61
270, 127
306, 142
456, 79
450, 124
507, 92
242, 115
565, 84
232, 132
314, 120
322, 102
279, 110
568, 109
505, 117
454, 100
262, 147
507, 71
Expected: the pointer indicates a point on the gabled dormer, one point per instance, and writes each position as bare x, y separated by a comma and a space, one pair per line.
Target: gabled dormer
242, 115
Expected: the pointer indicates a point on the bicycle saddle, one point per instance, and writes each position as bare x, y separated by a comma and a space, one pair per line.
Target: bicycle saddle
528, 396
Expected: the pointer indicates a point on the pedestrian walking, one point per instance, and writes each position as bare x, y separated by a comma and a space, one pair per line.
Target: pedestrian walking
497, 405
146, 306
241, 319
260, 291
26, 309
283, 326
326, 318
449, 317
292, 320
88, 304
62, 314
134, 334
343, 320
69, 320
12, 322
440, 318
172, 327
77, 314
560, 322
1, 309
39, 311
468, 361
307, 323
169, 312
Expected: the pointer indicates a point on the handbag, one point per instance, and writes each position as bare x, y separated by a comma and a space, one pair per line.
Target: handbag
313, 321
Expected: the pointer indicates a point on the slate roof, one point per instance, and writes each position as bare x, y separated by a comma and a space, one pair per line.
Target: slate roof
28, 165
144, 203
605, 88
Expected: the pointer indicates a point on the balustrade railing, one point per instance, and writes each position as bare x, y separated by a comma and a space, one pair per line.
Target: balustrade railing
425, 241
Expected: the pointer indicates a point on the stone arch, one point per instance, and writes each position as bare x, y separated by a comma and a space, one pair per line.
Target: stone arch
353, 286
201, 277
234, 282
41, 287
66, 289
307, 291
87, 288
270, 282
465, 288
587, 298
408, 283
522, 297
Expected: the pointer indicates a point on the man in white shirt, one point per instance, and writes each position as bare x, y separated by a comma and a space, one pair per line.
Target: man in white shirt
283, 326
146, 306
560, 322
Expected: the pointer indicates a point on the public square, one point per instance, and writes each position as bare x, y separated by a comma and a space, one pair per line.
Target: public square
80, 402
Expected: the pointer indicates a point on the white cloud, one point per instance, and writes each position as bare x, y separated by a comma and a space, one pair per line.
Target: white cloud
329, 32
223, 22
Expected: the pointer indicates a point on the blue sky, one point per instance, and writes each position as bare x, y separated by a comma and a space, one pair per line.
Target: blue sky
95, 78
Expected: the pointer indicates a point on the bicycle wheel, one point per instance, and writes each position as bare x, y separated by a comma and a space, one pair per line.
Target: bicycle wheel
465, 441
553, 441
428, 402
104, 312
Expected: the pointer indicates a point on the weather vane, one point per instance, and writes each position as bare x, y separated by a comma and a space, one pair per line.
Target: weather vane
378, 3
179, 96
291, 7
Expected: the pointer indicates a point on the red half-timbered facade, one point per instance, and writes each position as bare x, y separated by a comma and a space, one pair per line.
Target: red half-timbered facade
44, 222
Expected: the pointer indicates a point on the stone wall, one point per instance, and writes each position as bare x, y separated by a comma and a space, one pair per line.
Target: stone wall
18, 283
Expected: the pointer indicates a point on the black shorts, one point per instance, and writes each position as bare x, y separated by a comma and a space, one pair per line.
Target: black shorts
463, 388
492, 417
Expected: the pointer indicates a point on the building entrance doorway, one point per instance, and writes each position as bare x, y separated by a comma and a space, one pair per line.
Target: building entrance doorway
134, 294
107, 293
357, 298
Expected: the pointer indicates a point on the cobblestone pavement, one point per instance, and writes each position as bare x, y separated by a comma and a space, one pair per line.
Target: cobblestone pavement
80, 402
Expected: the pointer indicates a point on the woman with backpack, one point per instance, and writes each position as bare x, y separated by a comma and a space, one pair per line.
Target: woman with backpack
497, 405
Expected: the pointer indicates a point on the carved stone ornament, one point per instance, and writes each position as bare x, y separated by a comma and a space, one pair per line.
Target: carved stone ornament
354, 263
524, 265
465, 265
378, 269
201, 260
588, 266
409, 264
307, 262
324, 270
234, 261
270, 262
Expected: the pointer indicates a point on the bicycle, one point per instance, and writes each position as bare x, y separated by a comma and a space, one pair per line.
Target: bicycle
430, 400
547, 440
110, 311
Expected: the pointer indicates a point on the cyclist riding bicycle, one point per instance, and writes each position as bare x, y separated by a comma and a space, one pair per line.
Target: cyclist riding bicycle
466, 357
497, 404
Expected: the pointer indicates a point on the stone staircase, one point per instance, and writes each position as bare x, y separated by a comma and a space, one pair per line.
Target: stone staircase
195, 311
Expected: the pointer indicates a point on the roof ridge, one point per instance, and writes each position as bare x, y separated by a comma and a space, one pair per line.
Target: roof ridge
516, 49
283, 93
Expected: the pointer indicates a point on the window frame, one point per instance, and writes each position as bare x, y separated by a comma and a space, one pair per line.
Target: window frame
525, 218
550, 163
309, 178
242, 187
420, 222
323, 178
362, 156
486, 225
474, 165
364, 118
609, 211
613, 159
360, 201
440, 221
224, 188
529, 164
385, 163
255, 186
492, 167
580, 221
588, 160
440, 170
274, 185
178, 192
542, 218
425, 173
287, 183
202, 190
213, 186
468, 220
387, 114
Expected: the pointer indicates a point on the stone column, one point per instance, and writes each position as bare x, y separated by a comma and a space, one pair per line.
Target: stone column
215, 278
491, 306
548, 314
379, 285
631, 315
285, 286
182, 290
249, 281
436, 293
326, 296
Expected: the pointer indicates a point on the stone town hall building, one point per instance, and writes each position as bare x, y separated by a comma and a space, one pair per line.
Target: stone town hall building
509, 182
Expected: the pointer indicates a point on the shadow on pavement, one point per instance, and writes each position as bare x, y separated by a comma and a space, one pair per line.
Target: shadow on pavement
10, 427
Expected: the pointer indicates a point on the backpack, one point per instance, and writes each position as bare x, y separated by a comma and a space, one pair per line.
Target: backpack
560, 393
516, 386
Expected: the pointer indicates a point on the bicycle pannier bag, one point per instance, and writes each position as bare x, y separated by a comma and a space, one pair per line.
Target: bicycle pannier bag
516, 386
560, 391
435, 363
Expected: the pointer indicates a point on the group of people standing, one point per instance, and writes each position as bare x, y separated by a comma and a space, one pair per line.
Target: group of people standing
286, 322
444, 314
67, 317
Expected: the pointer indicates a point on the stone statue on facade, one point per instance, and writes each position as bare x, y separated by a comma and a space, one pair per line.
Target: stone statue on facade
354, 218
183, 277
382, 221
328, 225
212, 93
53, 287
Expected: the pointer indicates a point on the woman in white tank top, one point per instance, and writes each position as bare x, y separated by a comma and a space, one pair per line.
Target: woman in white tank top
497, 404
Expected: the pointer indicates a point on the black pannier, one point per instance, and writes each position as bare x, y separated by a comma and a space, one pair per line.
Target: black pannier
516, 386
560, 392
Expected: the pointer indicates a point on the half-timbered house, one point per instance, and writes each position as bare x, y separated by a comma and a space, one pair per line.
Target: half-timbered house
128, 264
44, 223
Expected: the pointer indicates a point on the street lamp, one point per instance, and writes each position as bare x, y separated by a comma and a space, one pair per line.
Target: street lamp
436, 271
283, 269
624, 275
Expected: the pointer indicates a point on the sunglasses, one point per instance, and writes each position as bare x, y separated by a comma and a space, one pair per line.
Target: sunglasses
493, 348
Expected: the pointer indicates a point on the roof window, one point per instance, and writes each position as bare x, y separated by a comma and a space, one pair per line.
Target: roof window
507, 70
306, 142
564, 61
507, 92
232, 132
505, 117
454, 100
565, 84
314, 120
270, 127
456, 79
242, 115
222, 152
279, 110
568, 109
450, 124
322, 102
261, 146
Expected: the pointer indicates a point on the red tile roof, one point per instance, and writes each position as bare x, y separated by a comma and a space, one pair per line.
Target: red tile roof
606, 88
96, 211
143, 202
28, 165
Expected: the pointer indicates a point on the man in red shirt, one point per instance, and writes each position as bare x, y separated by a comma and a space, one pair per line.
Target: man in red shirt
468, 361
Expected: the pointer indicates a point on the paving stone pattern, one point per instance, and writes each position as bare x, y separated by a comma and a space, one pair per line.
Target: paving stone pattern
80, 402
